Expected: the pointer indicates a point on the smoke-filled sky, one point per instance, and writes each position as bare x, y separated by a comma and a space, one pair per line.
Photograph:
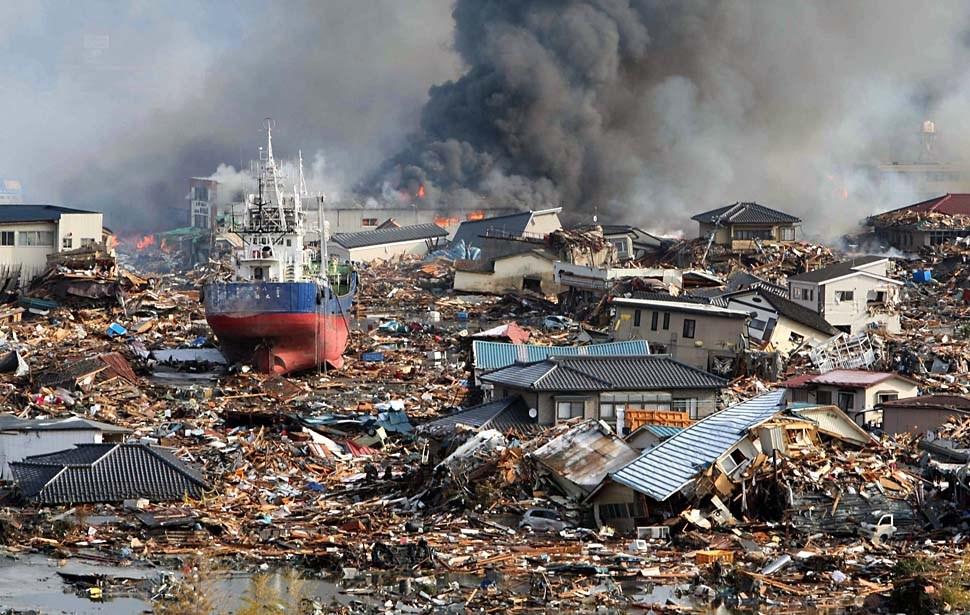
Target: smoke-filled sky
646, 112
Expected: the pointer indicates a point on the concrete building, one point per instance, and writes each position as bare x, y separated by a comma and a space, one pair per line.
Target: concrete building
852, 295
692, 331
28, 233
530, 269
21, 438
781, 322
739, 225
917, 415
857, 392
607, 388
353, 217
928, 223
202, 200
387, 243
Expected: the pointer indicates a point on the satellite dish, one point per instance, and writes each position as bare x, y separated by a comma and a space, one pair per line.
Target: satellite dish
533, 413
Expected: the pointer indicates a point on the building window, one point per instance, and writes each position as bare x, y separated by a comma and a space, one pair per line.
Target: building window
787, 233
844, 295
368, 222
67, 243
751, 233
636, 317
757, 324
566, 410
823, 398
608, 512
6, 238
805, 294
666, 325
87, 241
884, 397
654, 318
257, 273
846, 400
689, 325
620, 246
686, 405
36, 238
200, 193
289, 243
607, 411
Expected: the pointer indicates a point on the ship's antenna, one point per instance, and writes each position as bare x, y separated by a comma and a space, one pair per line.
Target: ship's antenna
303, 189
271, 161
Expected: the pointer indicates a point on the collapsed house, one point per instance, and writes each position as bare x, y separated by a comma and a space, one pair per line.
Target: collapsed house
917, 415
927, 223
713, 464
491, 356
857, 392
779, 323
22, 438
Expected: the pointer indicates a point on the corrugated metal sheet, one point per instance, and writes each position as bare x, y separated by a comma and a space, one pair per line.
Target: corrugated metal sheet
585, 454
496, 355
663, 431
664, 470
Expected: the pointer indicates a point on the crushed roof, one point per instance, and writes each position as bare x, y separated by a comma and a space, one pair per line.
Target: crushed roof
605, 373
585, 454
507, 414
745, 213
37, 213
665, 469
836, 270
91, 473
692, 305
496, 355
389, 235
951, 204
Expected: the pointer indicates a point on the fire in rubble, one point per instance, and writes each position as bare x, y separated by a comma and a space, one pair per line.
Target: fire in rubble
145, 242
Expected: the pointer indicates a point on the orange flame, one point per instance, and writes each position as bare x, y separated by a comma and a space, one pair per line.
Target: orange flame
144, 242
475, 215
421, 191
445, 221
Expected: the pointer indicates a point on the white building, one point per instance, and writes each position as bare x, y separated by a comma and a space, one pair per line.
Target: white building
28, 233
387, 243
851, 295
20, 439
11, 192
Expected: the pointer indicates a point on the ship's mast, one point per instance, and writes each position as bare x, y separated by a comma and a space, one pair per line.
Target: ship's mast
271, 162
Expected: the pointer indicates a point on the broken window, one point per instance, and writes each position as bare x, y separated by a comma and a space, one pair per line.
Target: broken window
844, 295
795, 338
689, 325
653, 321
67, 243
884, 397
532, 283
569, 409
876, 296
846, 400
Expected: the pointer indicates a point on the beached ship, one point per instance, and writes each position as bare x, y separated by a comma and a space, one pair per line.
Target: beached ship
286, 308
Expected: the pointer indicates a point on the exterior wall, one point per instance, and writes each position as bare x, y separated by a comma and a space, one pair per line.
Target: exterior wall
509, 275
15, 446
544, 223
713, 335
79, 227
643, 440
614, 493
855, 314
381, 252
349, 219
722, 236
781, 336
915, 420
865, 398
795, 294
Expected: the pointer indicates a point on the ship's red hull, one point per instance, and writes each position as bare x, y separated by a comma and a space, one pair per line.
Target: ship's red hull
280, 343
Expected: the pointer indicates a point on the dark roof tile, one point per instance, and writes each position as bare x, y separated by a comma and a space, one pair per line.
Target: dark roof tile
745, 213
382, 236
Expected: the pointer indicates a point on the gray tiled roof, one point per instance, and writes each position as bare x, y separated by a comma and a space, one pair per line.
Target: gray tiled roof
9, 422
507, 414
470, 231
605, 373
662, 471
835, 271
496, 355
389, 235
790, 309
92, 473
745, 213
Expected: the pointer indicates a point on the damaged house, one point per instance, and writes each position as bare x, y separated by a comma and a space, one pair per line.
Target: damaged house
740, 226
917, 415
387, 243
490, 237
712, 460
490, 356
692, 331
22, 438
852, 296
613, 389
784, 324
927, 223
857, 392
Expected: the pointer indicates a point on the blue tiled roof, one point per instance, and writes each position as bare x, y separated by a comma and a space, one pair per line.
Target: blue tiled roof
663, 431
662, 471
496, 355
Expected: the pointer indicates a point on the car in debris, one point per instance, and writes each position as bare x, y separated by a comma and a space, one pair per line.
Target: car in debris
880, 531
558, 323
544, 520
